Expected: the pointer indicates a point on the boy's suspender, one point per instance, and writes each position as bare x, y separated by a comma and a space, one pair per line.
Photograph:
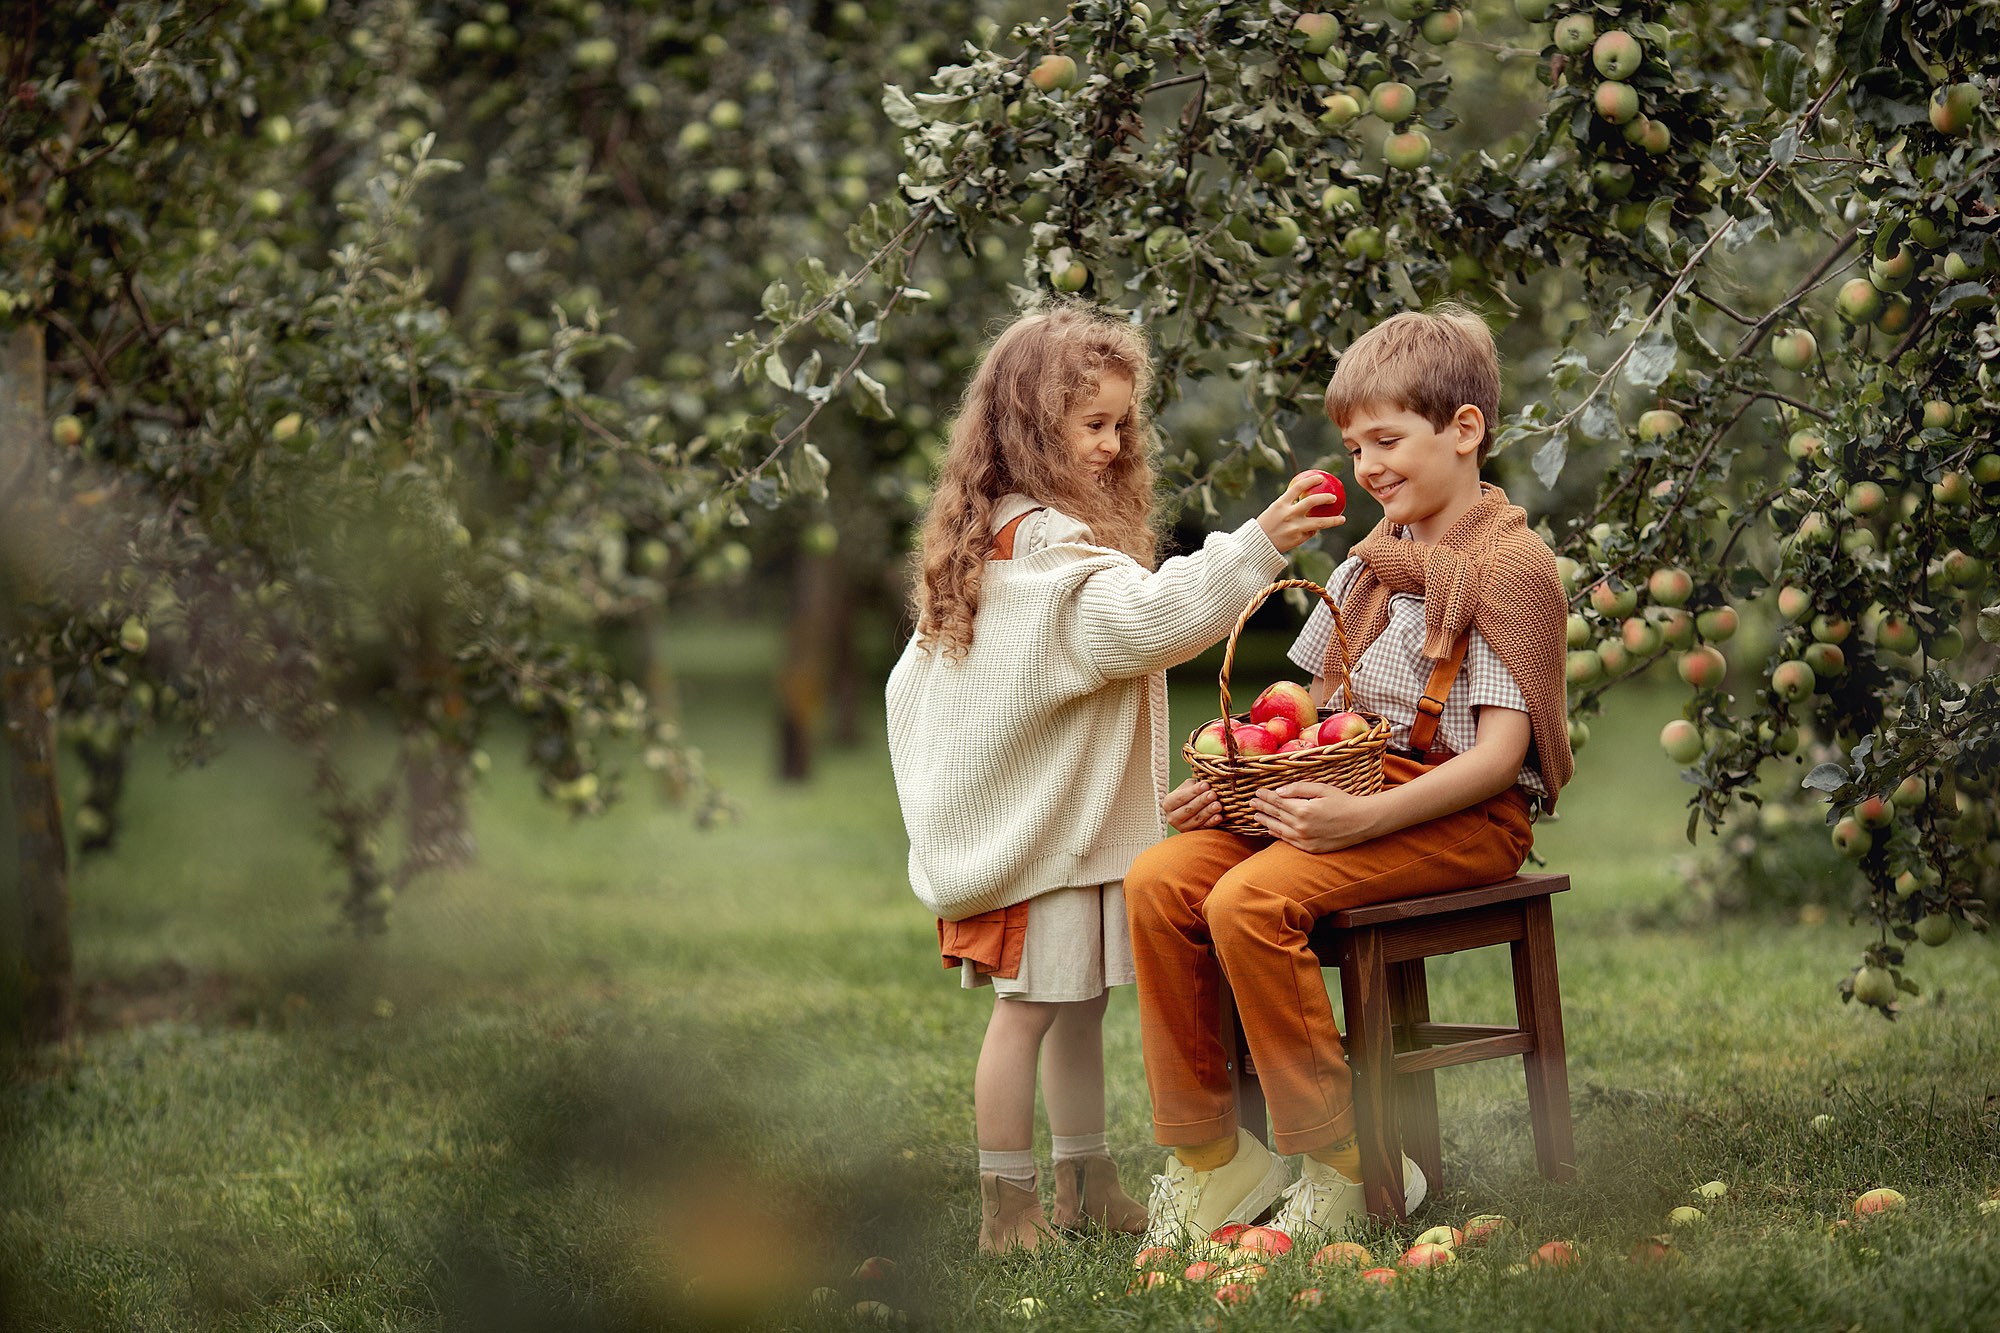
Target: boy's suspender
1430, 708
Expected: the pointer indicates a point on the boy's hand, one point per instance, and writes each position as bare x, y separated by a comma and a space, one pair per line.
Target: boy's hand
1289, 521
1314, 816
1191, 806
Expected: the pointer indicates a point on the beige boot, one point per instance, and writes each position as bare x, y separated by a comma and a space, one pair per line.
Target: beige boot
1088, 1187
1010, 1217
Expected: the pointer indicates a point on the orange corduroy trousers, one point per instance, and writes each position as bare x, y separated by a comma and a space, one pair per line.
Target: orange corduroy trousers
1208, 905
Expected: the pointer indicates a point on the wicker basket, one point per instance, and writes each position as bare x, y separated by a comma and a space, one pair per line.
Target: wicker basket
1352, 765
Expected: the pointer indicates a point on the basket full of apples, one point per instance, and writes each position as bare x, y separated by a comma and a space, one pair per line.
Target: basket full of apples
1284, 737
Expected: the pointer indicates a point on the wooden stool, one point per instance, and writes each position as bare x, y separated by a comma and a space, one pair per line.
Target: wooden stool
1394, 1048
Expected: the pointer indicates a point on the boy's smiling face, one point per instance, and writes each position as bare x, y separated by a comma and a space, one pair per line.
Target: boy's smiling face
1424, 477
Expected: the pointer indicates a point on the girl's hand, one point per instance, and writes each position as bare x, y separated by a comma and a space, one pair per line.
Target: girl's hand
1314, 816
1289, 522
1192, 806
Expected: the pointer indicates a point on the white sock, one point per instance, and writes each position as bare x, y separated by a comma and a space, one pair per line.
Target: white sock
1016, 1168
1079, 1145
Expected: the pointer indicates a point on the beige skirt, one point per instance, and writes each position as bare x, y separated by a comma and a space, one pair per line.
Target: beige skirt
1077, 947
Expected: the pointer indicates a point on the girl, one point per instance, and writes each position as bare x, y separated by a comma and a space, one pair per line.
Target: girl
1028, 727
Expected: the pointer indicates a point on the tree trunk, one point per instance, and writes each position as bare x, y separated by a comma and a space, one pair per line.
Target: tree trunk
48, 972
437, 754
804, 680
28, 708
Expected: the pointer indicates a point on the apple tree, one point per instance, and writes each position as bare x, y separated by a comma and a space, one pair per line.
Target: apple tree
1741, 257
250, 470
678, 161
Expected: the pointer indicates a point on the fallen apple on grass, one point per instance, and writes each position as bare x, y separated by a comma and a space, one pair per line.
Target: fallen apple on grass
1875, 1202
1442, 1235
1485, 1227
1686, 1216
1381, 1277
1426, 1255
1343, 1253
1555, 1254
1264, 1241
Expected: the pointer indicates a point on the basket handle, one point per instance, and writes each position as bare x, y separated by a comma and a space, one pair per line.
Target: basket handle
1346, 685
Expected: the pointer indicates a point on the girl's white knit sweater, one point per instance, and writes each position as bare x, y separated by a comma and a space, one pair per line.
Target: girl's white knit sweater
1039, 760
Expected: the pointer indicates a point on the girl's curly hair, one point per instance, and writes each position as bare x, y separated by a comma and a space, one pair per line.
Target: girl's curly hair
1008, 436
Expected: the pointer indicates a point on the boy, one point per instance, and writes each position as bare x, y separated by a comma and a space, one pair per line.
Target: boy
1451, 596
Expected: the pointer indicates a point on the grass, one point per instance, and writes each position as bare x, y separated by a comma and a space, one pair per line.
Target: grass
626, 1075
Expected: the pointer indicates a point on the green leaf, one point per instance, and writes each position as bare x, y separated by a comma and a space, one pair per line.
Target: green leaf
1652, 360
1825, 777
1861, 29
1989, 623
900, 110
774, 371
1784, 75
809, 471
1549, 460
1964, 293
874, 400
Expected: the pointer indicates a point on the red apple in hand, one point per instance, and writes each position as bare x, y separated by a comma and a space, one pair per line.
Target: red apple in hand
1324, 483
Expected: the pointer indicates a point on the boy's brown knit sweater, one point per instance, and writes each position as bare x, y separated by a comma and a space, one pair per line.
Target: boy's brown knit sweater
1489, 570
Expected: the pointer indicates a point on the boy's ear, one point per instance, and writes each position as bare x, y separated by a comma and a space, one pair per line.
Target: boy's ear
1469, 425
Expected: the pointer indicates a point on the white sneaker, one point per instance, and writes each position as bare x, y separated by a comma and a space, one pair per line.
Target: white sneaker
1186, 1205
1322, 1204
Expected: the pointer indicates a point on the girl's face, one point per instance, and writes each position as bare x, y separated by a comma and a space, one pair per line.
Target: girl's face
1093, 427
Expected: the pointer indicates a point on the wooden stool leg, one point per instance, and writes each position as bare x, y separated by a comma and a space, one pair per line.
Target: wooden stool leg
1538, 1003
1250, 1112
1364, 993
1416, 1094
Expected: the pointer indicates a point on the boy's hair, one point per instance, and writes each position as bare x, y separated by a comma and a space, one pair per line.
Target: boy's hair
1008, 436
1431, 362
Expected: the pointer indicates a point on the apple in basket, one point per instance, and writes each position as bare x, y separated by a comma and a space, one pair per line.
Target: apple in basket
1281, 727
1342, 727
1252, 739
1288, 700
1209, 739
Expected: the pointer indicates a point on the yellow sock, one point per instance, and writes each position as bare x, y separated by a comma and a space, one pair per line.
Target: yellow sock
1208, 1156
1344, 1157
